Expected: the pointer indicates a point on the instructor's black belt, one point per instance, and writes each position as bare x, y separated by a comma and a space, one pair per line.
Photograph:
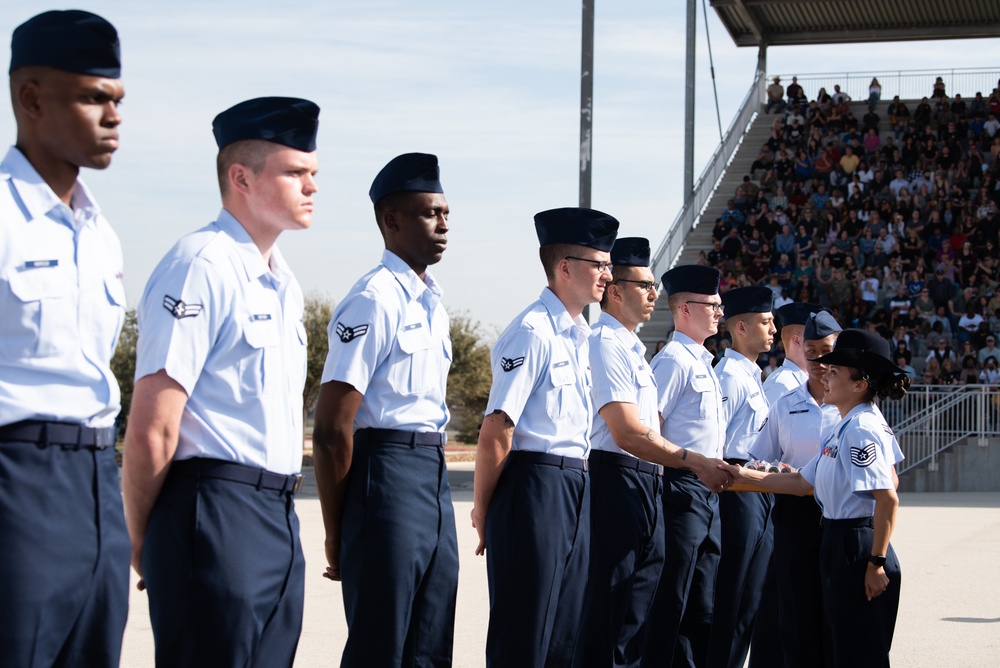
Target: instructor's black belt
626, 462
66, 435
545, 458
400, 436
233, 472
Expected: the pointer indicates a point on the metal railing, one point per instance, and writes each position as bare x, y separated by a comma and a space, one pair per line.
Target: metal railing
672, 245
907, 84
932, 418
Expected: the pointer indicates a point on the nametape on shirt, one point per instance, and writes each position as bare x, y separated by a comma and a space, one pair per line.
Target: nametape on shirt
863, 457
511, 363
348, 334
179, 309
40, 264
260, 317
416, 325
804, 410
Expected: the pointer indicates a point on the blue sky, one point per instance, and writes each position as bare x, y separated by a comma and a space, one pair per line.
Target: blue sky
491, 87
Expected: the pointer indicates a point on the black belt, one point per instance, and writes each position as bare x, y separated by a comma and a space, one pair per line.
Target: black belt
626, 462
400, 436
545, 458
850, 523
64, 434
233, 472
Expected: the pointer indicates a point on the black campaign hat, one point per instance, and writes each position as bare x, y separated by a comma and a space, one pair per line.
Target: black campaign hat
578, 226
630, 252
72, 41
695, 278
863, 350
820, 325
752, 299
797, 313
410, 172
289, 121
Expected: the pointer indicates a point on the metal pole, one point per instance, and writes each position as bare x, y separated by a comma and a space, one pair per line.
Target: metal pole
692, 17
586, 101
586, 109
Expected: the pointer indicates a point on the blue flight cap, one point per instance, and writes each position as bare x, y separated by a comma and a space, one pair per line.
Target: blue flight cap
695, 278
797, 313
752, 299
410, 172
630, 252
577, 226
289, 121
820, 325
72, 41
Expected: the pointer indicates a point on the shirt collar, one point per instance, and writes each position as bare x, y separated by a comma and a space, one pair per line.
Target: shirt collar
247, 251
626, 337
693, 347
39, 199
561, 320
428, 290
744, 362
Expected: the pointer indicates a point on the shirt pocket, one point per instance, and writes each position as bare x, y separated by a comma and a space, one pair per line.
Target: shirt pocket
759, 405
111, 326
260, 364
44, 317
705, 402
412, 372
561, 399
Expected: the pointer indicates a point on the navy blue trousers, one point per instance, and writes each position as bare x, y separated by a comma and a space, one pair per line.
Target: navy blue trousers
626, 561
747, 542
861, 630
537, 553
398, 557
797, 538
765, 645
682, 608
64, 557
225, 574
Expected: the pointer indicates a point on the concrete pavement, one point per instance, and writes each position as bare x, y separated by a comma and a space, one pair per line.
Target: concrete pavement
948, 545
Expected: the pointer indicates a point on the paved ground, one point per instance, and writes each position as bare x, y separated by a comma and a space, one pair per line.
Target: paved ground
948, 544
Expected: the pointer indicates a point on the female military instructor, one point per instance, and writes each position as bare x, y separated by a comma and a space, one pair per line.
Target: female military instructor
853, 478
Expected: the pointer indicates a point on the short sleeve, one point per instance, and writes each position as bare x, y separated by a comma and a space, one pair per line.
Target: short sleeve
359, 336
613, 373
767, 448
184, 305
808, 472
868, 458
670, 378
518, 359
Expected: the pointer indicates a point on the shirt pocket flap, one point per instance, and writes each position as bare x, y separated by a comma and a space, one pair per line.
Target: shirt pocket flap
261, 333
414, 337
561, 373
31, 285
702, 384
757, 402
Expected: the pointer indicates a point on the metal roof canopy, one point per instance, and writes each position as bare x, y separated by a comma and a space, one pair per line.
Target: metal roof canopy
786, 22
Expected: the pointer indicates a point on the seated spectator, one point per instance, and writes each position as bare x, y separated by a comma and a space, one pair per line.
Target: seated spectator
940, 352
874, 94
932, 373
989, 350
899, 116
940, 323
904, 364
969, 370
872, 142
783, 270
778, 200
990, 375
763, 160
868, 290
795, 93
938, 90
758, 271
775, 97
732, 217
950, 373
840, 96
969, 323
898, 299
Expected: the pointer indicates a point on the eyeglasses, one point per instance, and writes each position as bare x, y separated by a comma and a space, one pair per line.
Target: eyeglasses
645, 286
716, 308
601, 266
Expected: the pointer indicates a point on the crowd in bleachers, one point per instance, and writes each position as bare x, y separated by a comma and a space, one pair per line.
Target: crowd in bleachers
890, 220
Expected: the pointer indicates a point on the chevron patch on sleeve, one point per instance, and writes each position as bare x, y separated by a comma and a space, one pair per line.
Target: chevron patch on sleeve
864, 457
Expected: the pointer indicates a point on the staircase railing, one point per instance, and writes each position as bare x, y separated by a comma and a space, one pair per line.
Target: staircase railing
932, 418
672, 244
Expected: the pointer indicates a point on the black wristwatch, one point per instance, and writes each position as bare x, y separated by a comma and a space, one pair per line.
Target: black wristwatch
877, 560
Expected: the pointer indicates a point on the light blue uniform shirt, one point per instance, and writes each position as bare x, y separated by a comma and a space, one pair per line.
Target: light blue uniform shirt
541, 379
228, 328
689, 397
786, 378
744, 407
620, 374
856, 458
796, 425
62, 302
390, 340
